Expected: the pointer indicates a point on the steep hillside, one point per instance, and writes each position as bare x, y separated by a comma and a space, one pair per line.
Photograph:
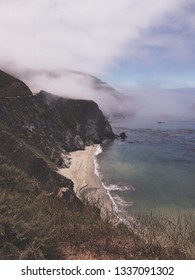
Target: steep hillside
36, 222
37, 130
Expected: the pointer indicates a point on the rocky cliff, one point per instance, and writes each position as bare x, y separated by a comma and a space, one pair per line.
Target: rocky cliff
35, 130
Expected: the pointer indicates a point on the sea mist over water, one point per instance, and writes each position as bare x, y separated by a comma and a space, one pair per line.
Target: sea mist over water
158, 156
163, 104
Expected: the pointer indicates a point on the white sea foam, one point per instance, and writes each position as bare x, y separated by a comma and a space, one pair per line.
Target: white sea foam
120, 188
97, 172
97, 152
115, 207
121, 202
118, 203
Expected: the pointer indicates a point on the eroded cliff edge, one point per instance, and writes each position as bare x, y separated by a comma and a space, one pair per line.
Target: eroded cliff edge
35, 130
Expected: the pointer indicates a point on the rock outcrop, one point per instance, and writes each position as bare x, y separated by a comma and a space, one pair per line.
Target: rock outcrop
123, 135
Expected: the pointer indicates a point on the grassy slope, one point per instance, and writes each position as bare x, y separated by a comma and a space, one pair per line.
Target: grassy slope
35, 226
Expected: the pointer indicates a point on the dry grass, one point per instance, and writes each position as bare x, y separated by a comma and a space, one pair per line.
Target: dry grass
176, 234
34, 226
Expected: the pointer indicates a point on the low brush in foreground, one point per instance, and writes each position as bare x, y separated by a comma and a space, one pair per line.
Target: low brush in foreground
36, 226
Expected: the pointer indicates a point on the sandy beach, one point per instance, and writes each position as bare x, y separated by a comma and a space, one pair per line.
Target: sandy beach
86, 183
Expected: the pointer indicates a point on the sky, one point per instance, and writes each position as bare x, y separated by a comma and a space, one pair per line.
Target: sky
134, 44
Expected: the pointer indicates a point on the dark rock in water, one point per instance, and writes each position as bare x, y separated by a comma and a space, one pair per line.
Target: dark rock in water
123, 135
12, 87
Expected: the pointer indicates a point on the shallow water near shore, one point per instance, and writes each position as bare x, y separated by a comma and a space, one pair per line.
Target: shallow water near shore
153, 170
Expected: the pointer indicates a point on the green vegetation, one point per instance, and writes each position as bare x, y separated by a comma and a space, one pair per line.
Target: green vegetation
36, 226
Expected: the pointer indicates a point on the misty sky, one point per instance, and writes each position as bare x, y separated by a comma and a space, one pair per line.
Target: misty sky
127, 42
145, 45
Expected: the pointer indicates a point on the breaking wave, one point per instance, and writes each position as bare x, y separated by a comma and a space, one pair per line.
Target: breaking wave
120, 188
118, 203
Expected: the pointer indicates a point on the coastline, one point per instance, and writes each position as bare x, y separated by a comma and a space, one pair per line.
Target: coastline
83, 171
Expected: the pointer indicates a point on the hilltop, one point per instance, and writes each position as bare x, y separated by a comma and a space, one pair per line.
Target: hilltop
12, 87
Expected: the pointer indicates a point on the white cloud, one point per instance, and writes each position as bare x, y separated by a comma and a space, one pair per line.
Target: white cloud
89, 35
86, 35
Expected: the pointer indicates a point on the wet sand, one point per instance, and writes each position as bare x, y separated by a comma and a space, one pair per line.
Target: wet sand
87, 185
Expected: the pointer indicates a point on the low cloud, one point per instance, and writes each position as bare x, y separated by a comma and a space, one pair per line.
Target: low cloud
166, 104
90, 36
80, 85
40, 40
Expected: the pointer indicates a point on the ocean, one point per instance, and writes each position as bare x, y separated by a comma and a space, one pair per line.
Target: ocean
153, 170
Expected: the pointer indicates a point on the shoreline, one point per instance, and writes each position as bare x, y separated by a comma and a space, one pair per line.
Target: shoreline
83, 171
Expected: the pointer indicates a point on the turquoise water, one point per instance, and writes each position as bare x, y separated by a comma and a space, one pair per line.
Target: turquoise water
153, 169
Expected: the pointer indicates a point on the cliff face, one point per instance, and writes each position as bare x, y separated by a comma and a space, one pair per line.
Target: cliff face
36, 130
